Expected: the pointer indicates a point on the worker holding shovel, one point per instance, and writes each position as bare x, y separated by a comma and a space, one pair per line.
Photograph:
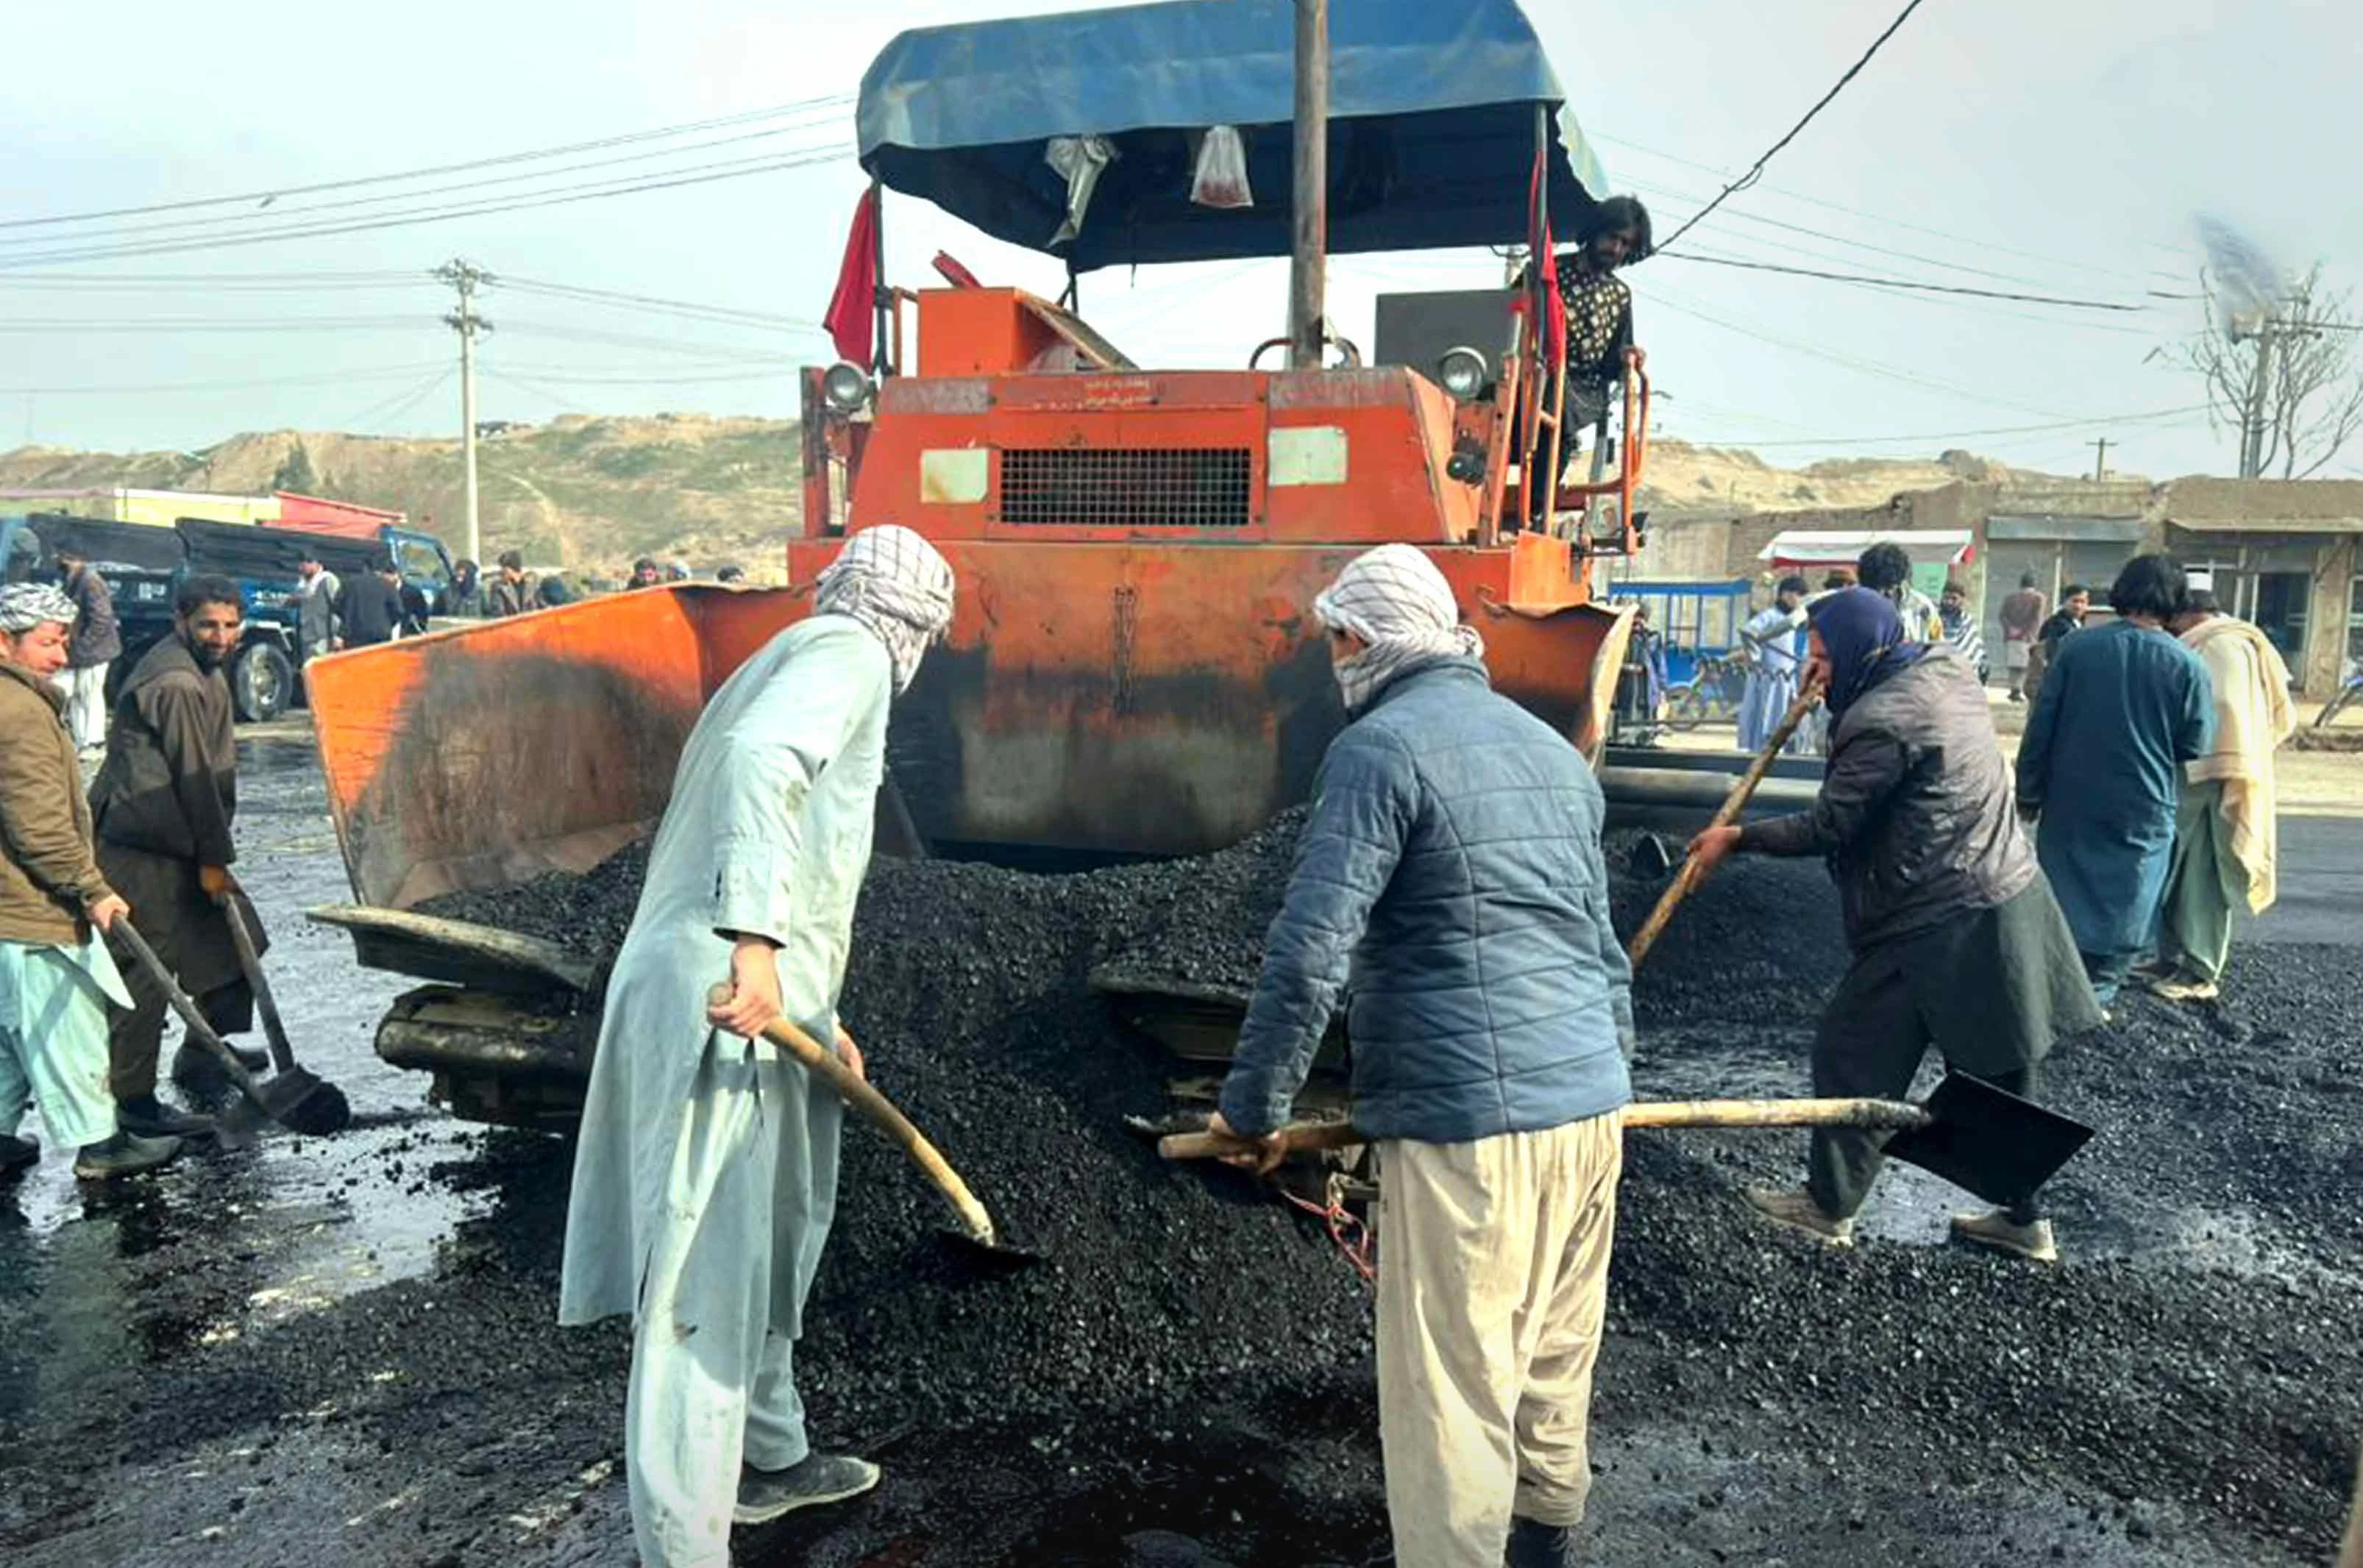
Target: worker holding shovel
1452, 866
706, 1178
1956, 937
165, 803
56, 977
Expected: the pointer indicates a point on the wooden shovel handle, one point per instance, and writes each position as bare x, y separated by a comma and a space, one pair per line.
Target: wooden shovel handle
822, 1062
1303, 1137
283, 1054
1692, 873
200, 1029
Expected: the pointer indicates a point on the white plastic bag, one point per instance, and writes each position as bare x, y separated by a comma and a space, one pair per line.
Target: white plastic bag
1221, 178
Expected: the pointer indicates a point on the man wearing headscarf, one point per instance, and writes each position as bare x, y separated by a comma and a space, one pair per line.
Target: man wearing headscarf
1450, 873
1957, 941
706, 1177
2226, 845
2118, 714
56, 977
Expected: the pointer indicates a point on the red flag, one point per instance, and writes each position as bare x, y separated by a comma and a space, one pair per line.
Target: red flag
1554, 305
852, 319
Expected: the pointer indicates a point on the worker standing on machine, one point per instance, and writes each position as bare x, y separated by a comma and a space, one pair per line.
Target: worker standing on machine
1452, 866
164, 804
706, 1177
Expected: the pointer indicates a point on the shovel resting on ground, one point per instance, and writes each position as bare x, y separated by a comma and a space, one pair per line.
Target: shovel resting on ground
1978, 1137
298, 1099
200, 1031
976, 1229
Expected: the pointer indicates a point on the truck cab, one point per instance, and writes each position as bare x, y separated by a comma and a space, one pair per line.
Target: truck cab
144, 567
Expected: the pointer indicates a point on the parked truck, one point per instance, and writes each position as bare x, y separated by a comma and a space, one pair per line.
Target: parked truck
144, 567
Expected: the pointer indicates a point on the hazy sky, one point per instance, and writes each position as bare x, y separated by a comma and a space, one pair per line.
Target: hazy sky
2054, 147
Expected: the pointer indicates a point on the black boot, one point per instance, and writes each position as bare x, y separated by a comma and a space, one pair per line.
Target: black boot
125, 1154
145, 1116
17, 1155
1533, 1545
199, 1071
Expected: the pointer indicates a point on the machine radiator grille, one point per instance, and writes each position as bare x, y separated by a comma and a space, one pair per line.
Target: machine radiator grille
1155, 487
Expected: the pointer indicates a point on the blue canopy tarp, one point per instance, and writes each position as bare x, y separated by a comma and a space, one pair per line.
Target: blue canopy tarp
1431, 137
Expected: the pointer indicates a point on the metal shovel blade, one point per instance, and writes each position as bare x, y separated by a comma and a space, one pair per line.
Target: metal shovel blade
295, 1099
1988, 1140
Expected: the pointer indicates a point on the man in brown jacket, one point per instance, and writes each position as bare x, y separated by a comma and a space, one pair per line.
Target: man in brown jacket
56, 978
164, 804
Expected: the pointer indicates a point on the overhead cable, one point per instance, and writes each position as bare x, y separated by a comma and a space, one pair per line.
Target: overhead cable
1756, 170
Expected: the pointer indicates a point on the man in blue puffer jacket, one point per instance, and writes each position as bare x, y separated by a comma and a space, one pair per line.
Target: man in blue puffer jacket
1450, 876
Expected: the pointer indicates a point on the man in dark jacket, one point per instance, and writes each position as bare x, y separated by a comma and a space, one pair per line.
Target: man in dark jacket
370, 606
1450, 872
97, 643
163, 805
1956, 937
511, 592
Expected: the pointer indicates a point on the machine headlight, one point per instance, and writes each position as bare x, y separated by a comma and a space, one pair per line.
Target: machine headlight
846, 386
1462, 372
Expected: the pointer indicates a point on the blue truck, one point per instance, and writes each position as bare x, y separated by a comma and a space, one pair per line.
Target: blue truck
144, 567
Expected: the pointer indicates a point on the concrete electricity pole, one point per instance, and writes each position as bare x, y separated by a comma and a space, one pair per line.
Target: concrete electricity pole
465, 278
2252, 427
2100, 463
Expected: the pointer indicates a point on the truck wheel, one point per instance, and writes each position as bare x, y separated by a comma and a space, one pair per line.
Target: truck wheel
262, 681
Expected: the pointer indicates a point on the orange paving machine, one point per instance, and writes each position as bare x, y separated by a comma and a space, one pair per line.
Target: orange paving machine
1133, 667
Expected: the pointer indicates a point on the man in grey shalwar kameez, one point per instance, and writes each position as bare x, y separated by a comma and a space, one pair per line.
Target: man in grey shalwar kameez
707, 1174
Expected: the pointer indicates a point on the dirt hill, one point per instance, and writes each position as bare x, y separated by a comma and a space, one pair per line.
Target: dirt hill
589, 492
595, 493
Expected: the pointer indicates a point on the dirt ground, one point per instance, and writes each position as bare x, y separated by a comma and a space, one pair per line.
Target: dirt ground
345, 1351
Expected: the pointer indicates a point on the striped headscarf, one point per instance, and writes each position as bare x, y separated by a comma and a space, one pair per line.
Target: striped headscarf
1394, 599
894, 582
25, 605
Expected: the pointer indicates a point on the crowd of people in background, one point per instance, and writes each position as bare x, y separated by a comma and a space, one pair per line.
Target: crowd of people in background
2145, 770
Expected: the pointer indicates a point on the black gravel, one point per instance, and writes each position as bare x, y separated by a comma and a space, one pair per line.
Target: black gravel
1186, 1379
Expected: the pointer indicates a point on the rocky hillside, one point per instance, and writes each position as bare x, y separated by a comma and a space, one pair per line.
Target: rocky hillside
593, 493
590, 492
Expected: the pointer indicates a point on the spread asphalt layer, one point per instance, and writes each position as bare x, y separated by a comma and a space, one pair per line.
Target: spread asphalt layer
344, 1349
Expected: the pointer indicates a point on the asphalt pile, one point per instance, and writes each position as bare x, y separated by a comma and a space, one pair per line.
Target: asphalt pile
1193, 1356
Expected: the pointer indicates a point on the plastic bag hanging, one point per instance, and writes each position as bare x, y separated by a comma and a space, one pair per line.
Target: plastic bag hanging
1078, 159
1220, 178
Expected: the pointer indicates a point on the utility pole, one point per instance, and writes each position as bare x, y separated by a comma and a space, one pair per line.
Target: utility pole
2100, 463
2252, 427
1306, 302
466, 278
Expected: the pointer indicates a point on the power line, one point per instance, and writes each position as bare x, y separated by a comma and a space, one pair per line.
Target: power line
660, 133
230, 222
563, 333
729, 315
1864, 367
564, 195
204, 324
331, 378
1756, 170
402, 402
1899, 282
1995, 430
1984, 244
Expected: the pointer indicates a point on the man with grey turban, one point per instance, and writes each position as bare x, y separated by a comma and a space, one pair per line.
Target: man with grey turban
56, 975
1451, 879
705, 1176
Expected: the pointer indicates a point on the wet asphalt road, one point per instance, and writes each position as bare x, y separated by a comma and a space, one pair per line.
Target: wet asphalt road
105, 1297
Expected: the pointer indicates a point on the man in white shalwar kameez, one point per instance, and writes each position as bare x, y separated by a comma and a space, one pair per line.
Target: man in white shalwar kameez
1774, 665
706, 1178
